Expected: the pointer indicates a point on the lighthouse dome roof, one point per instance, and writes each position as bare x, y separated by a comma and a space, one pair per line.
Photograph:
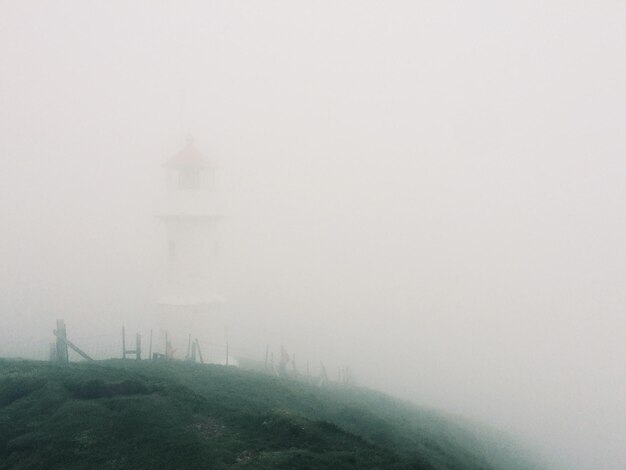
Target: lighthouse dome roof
189, 158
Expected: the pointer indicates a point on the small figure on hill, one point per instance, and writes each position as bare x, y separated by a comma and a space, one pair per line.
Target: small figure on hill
169, 350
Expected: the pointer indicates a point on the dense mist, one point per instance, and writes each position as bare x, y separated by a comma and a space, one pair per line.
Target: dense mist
431, 193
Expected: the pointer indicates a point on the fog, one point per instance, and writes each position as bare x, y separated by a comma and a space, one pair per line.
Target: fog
431, 193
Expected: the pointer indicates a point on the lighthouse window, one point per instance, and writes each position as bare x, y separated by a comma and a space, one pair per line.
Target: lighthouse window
189, 179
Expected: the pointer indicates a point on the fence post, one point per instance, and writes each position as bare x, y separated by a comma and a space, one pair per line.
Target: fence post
63, 344
61, 334
150, 350
123, 343
199, 351
293, 363
138, 347
193, 351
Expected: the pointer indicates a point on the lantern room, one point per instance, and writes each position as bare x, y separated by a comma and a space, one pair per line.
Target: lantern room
190, 170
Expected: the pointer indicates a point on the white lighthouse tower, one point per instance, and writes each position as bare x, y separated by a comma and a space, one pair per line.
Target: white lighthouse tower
190, 215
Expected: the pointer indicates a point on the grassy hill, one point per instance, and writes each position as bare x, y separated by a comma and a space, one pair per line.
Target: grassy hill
175, 415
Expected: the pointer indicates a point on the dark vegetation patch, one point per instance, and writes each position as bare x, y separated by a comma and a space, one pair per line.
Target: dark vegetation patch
147, 415
97, 388
13, 388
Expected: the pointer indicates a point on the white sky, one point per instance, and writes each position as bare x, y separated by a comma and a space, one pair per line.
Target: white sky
430, 191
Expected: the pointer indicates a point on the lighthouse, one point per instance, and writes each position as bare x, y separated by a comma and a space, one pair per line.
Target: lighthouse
190, 216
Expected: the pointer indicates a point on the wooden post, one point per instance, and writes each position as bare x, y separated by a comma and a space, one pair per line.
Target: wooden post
226, 352
136, 351
188, 356
138, 347
199, 352
193, 351
62, 338
61, 346
273, 367
123, 343
323, 380
150, 350
293, 364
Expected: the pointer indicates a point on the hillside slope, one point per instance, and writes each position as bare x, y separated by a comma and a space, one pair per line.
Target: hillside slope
136, 415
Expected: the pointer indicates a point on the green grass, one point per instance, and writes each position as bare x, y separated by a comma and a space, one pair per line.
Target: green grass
175, 415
